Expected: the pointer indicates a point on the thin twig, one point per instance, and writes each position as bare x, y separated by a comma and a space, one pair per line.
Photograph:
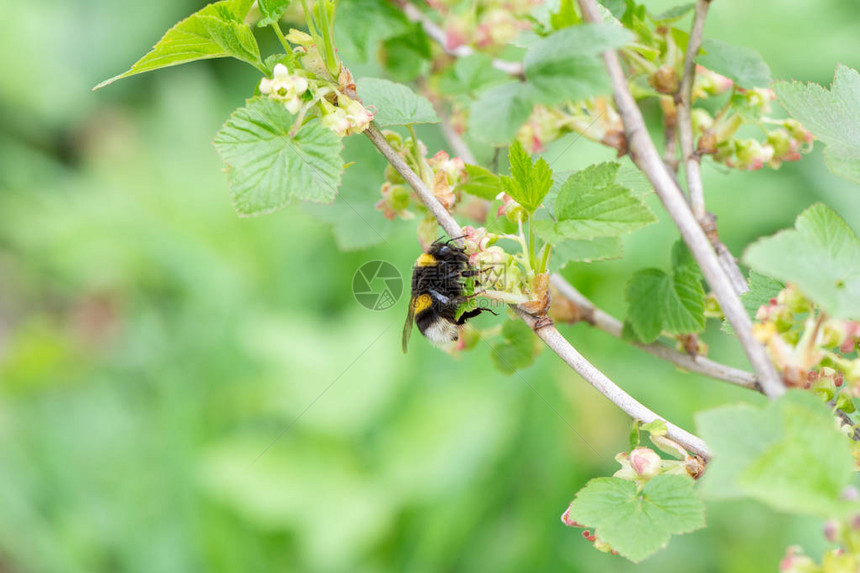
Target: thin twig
670, 131
693, 159
458, 146
684, 101
644, 153
548, 334
611, 325
440, 37
608, 388
424, 193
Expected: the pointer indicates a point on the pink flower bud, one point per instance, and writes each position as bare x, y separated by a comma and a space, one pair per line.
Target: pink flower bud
850, 493
645, 462
795, 562
831, 530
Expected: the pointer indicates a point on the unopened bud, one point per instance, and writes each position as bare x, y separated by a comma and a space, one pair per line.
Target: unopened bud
645, 462
665, 80
701, 120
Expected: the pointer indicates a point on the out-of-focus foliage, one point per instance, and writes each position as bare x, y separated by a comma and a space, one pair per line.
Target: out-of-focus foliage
156, 351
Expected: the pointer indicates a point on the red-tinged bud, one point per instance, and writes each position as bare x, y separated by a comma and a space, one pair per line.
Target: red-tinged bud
710, 83
758, 99
831, 530
797, 131
852, 332
752, 155
795, 562
855, 522
781, 141
456, 34
645, 462
515, 212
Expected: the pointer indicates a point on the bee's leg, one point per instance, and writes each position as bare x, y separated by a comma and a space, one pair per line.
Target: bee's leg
472, 314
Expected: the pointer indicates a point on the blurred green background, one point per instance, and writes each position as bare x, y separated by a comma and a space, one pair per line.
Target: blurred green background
153, 345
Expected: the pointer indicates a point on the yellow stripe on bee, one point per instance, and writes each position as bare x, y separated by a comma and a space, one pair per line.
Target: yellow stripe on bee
425, 260
421, 302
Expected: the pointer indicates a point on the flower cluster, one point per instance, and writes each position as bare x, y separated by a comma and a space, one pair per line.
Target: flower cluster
441, 173
812, 350
845, 558
308, 91
594, 118
487, 24
784, 139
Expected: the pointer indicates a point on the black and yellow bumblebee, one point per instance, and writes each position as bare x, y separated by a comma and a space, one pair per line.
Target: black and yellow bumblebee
437, 293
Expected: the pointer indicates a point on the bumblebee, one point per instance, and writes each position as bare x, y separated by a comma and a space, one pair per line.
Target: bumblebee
437, 293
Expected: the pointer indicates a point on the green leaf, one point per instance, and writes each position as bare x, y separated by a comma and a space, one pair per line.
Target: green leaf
636, 524
582, 40
470, 74
407, 56
395, 103
530, 181
216, 31
272, 11
832, 116
821, 256
481, 183
363, 24
267, 168
564, 66
565, 17
762, 290
743, 65
580, 251
661, 303
788, 455
675, 13
591, 204
518, 349
683, 260
497, 114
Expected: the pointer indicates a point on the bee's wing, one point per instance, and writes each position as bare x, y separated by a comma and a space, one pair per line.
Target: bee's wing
410, 319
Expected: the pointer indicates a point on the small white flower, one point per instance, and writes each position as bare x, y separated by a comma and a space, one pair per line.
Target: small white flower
336, 120
285, 88
359, 117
